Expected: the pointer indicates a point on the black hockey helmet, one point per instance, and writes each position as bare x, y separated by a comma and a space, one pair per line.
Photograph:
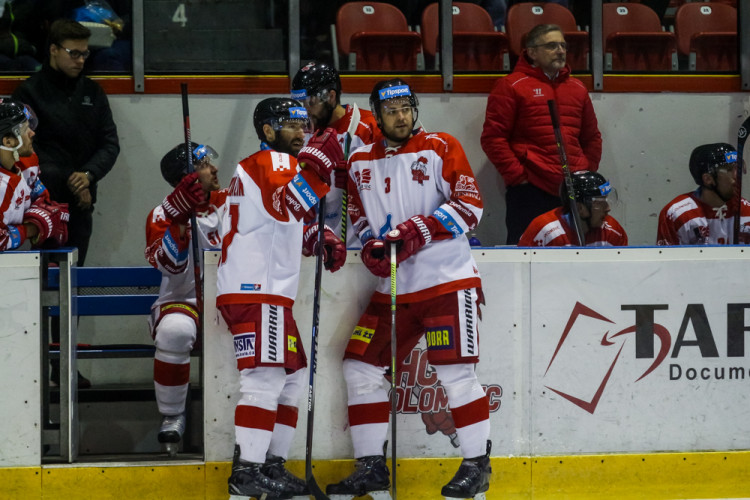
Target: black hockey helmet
392, 89
314, 79
275, 111
586, 185
13, 114
707, 158
174, 164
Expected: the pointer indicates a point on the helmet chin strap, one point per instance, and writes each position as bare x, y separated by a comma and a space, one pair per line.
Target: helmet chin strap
16, 156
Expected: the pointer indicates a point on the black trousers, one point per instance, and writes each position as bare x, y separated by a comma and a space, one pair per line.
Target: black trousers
523, 203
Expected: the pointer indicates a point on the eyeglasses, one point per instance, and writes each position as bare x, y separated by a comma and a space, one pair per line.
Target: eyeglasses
76, 54
552, 46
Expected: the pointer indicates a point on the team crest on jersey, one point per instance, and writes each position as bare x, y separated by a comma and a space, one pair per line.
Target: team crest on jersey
419, 171
21, 198
363, 179
235, 187
466, 186
280, 161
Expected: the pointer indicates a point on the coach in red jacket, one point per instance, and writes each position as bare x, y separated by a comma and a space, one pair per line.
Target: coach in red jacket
518, 137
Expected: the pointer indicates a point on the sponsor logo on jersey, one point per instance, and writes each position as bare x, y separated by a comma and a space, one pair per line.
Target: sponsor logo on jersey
273, 332
363, 334
470, 349
448, 222
244, 345
291, 344
391, 92
280, 161
363, 179
250, 287
235, 187
440, 337
466, 186
419, 171
304, 189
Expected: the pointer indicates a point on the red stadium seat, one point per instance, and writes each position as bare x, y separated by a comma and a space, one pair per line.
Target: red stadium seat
374, 36
524, 16
476, 44
707, 34
634, 39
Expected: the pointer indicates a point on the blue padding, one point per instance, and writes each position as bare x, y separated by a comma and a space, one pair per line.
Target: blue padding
111, 305
109, 276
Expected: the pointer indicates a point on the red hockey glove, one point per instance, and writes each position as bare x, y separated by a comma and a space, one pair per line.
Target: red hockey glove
374, 258
180, 203
439, 421
51, 220
322, 154
334, 251
341, 176
411, 235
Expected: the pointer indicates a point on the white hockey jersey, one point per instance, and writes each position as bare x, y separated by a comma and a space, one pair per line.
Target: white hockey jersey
173, 256
261, 251
429, 175
686, 220
18, 190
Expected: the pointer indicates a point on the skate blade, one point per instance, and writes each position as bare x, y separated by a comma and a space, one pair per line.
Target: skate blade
478, 496
172, 449
262, 497
375, 495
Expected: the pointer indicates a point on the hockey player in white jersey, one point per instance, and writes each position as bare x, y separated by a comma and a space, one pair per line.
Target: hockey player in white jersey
270, 194
706, 215
415, 190
174, 317
317, 85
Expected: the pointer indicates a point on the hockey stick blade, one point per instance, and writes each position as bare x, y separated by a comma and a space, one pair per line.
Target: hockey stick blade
312, 484
742, 133
350, 132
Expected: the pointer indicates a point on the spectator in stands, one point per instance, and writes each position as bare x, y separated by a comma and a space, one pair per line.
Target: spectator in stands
18, 22
706, 215
518, 136
556, 227
76, 138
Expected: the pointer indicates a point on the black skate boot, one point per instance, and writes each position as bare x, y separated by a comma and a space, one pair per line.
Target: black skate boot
247, 480
472, 477
371, 476
274, 468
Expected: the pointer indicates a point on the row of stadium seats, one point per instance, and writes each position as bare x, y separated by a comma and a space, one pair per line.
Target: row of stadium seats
375, 36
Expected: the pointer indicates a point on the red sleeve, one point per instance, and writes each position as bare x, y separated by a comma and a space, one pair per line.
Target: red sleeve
590, 138
500, 119
165, 249
666, 232
464, 198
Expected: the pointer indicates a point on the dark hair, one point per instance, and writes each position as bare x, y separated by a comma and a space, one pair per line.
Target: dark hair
67, 29
538, 31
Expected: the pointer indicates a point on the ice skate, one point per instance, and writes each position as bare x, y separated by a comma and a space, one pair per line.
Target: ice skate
371, 477
275, 469
472, 478
248, 481
171, 431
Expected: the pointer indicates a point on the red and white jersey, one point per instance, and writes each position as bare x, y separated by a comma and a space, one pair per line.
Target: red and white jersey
367, 133
19, 188
261, 250
429, 175
173, 256
687, 220
554, 229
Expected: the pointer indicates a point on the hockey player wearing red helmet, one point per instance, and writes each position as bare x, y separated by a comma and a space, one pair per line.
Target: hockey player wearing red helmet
706, 215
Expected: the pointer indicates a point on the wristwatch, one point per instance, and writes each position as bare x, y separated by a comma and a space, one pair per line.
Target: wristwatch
90, 177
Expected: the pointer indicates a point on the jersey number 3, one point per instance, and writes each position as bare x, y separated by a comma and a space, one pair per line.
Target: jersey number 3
387, 184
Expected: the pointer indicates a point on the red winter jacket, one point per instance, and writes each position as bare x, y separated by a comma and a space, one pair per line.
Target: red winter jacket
518, 137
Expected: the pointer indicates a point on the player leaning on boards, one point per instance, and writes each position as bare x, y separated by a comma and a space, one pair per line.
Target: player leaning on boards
420, 185
174, 320
269, 196
317, 85
706, 215
555, 228
25, 206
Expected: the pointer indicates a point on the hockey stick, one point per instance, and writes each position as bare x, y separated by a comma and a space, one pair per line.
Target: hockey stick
577, 225
312, 484
353, 124
193, 223
394, 351
741, 138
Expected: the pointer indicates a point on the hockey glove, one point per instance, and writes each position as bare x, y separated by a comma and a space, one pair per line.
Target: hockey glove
51, 220
180, 203
341, 176
322, 154
411, 235
334, 251
374, 258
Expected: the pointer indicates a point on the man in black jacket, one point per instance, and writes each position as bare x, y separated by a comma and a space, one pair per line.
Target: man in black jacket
76, 138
